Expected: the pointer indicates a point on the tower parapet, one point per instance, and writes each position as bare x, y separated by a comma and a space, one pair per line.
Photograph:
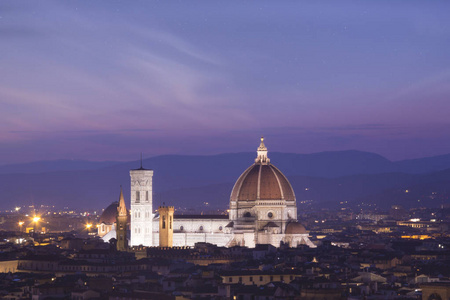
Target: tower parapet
166, 226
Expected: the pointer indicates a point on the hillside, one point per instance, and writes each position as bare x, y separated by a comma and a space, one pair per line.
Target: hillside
193, 180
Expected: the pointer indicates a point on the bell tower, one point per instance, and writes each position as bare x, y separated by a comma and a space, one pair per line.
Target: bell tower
141, 207
121, 224
166, 226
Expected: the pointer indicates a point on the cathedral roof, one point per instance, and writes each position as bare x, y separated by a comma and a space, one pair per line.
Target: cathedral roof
262, 181
109, 214
295, 228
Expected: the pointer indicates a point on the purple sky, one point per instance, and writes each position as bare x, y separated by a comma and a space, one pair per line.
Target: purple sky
106, 80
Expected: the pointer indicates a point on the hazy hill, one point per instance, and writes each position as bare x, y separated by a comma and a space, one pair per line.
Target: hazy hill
54, 165
193, 180
424, 165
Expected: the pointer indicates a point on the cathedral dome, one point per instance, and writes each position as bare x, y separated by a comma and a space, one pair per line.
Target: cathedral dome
109, 214
295, 228
262, 181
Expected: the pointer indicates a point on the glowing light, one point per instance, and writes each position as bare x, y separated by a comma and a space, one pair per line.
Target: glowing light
36, 219
88, 226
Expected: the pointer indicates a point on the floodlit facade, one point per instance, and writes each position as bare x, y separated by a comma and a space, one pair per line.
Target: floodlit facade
263, 210
141, 227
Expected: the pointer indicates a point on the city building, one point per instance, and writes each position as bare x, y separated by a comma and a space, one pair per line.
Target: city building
263, 210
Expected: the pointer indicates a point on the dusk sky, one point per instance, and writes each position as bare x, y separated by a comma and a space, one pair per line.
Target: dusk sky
107, 80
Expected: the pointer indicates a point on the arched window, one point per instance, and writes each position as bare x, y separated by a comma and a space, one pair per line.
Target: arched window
181, 227
247, 214
201, 228
138, 198
164, 222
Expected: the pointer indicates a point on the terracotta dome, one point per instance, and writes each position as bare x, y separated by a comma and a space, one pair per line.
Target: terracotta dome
109, 214
295, 228
262, 181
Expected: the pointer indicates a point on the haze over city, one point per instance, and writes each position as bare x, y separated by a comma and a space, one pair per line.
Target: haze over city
247, 150
109, 80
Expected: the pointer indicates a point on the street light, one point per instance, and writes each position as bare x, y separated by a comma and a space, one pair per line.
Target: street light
20, 225
35, 220
88, 226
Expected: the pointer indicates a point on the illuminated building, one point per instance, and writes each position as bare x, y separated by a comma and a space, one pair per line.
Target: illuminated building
263, 210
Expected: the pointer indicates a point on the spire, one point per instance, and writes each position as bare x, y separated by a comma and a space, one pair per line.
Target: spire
262, 154
121, 209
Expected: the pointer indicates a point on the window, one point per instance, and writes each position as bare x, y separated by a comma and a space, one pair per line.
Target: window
164, 222
146, 196
271, 278
247, 215
220, 228
201, 228
251, 278
181, 227
240, 279
270, 215
137, 197
230, 279
281, 278
170, 222
260, 278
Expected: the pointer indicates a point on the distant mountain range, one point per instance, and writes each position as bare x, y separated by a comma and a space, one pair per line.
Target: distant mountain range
193, 181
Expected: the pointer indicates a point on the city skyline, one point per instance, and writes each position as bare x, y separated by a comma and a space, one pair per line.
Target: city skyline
106, 82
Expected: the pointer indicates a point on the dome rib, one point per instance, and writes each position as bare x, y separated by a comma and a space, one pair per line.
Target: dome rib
262, 182
286, 186
238, 185
258, 188
279, 184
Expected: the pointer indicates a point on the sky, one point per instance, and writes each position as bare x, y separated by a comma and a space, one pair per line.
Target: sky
107, 80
